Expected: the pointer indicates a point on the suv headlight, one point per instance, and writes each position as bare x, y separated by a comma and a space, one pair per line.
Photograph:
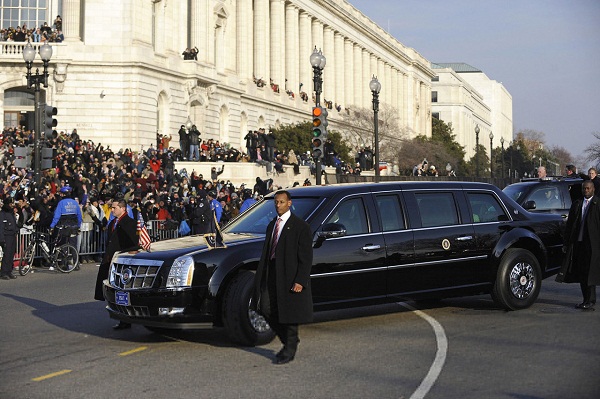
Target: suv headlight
181, 273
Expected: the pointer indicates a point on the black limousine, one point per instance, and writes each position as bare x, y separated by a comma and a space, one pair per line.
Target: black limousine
373, 243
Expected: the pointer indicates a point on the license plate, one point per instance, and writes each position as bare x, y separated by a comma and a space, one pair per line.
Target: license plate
122, 298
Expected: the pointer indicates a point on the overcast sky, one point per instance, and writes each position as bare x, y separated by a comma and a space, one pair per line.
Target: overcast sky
545, 52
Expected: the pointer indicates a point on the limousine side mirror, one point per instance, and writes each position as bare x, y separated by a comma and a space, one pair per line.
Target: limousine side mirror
529, 205
332, 230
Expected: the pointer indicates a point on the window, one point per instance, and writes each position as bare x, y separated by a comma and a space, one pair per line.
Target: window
546, 198
435, 79
15, 13
435, 115
351, 214
485, 208
437, 209
390, 212
434, 97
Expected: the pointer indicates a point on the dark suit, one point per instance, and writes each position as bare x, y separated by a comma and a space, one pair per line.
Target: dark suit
273, 297
120, 238
582, 263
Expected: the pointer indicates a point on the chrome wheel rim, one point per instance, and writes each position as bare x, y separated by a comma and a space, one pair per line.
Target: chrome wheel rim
522, 280
258, 322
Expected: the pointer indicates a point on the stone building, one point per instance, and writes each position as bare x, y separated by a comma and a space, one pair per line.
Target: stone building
464, 96
120, 78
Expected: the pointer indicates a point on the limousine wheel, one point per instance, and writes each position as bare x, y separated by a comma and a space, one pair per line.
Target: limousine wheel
243, 325
518, 280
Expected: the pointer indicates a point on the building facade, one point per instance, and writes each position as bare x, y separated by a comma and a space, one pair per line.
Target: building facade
465, 97
120, 78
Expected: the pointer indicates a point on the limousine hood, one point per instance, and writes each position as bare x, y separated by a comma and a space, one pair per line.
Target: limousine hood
176, 247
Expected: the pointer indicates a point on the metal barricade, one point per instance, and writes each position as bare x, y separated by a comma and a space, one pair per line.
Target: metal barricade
91, 240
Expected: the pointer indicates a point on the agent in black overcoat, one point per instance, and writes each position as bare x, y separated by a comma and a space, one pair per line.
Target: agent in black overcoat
582, 261
282, 291
122, 236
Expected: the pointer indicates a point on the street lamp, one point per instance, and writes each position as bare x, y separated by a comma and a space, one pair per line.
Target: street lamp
318, 61
491, 156
477, 150
502, 144
35, 81
375, 87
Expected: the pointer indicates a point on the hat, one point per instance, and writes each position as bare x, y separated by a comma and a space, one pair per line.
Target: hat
65, 189
212, 193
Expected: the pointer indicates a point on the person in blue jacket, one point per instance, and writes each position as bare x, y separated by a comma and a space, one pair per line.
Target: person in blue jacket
67, 214
215, 205
248, 200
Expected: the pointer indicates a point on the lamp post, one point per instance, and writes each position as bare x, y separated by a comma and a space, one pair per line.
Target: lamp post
502, 144
375, 87
318, 61
35, 81
491, 155
477, 150
519, 152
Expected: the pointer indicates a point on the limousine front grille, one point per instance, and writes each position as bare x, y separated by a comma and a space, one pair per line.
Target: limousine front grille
135, 274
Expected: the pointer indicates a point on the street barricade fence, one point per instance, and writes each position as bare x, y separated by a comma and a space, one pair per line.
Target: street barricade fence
91, 240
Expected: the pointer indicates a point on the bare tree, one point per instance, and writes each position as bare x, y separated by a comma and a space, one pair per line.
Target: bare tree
360, 132
592, 152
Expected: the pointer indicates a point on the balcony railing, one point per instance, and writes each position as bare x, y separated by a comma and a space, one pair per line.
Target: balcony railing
14, 50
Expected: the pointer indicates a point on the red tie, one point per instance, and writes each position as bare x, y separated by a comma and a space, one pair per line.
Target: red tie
275, 238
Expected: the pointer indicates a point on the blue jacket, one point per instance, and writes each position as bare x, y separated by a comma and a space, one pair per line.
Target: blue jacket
216, 206
247, 204
67, 213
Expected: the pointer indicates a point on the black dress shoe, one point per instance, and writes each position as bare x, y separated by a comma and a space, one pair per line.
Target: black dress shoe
585, 306
121, 326
4, 277
12, 276
284, 359
8, 277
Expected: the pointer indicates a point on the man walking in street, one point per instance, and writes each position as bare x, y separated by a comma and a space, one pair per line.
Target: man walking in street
122, 235
582, 233
282, 290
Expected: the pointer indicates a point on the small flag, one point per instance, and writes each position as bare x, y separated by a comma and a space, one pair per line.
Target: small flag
144, 240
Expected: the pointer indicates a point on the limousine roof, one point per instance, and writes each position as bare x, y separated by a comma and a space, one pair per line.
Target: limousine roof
330, 189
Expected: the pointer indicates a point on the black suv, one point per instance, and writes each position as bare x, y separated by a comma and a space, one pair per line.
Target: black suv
373, 243
551, 194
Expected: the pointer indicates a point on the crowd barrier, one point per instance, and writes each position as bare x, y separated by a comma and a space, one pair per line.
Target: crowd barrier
91, 240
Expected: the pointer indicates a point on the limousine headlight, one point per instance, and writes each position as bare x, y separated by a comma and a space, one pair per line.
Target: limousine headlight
181, 273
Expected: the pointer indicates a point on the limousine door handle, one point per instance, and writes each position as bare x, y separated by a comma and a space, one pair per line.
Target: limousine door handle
464, 238
369, 248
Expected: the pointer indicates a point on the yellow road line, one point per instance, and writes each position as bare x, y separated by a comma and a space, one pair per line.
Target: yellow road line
141, 348
51, 375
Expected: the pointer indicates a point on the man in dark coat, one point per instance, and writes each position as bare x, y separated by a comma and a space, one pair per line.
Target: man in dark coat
282, 290
8, 238
582, 234
122, 236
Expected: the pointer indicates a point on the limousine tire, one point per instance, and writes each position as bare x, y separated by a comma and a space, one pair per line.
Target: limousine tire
518, 280
244, 326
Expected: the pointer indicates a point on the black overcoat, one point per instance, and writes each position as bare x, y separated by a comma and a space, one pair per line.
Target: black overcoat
123, 238
587, 269
293, 261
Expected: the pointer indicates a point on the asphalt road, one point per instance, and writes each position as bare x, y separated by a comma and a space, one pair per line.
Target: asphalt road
57, 342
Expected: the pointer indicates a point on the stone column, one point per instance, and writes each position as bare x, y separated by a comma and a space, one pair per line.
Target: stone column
316, 34
329, 82
292, 52
358, 75
71, 20
394, 92
244, 40
277, 38
304, 50
340, 67
387, 72
365, 79
200, 28
261, 40
348, 73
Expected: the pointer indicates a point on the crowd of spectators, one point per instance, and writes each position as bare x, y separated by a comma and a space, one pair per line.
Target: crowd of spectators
44, 33
145, 178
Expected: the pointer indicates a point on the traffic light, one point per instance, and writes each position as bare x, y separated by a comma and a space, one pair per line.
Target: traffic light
48, 122
319, 131
48, 158
23, 157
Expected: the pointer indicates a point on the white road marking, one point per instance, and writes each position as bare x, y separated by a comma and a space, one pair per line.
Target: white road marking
440, 356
